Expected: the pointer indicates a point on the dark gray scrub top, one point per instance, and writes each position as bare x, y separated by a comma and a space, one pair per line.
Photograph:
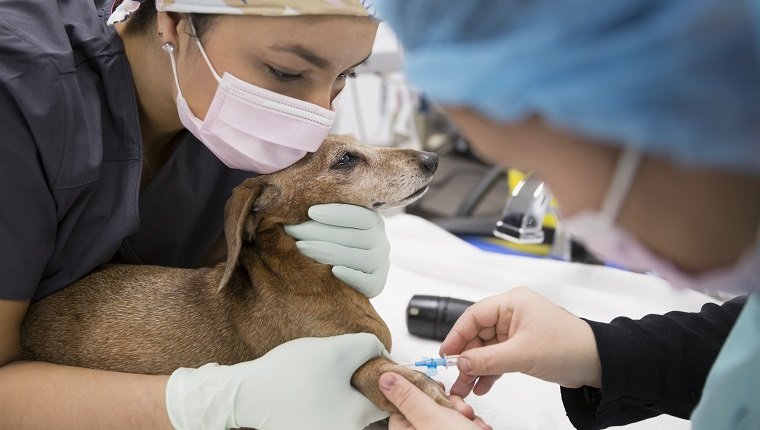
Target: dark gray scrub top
70, 158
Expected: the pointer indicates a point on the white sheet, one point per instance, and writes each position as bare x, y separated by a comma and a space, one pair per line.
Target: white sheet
428, 260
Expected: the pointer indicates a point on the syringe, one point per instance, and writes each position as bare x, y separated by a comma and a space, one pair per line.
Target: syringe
432, 364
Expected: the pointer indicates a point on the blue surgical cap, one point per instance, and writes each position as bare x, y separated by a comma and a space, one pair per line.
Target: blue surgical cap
676, 78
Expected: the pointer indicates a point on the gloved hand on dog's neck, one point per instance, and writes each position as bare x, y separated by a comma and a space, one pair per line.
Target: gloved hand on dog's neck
350, 238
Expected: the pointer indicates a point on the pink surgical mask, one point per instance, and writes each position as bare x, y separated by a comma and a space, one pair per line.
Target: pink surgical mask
599, 232
251, 128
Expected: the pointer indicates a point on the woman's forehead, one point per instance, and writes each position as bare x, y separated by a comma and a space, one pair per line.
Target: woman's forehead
320, 40
290, 26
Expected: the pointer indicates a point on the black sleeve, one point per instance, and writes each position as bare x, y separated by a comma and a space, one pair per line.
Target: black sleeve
27, 210
656, 365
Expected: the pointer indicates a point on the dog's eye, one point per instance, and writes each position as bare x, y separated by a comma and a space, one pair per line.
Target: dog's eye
346, 160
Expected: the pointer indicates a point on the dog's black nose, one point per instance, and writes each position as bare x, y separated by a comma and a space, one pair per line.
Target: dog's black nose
429, 162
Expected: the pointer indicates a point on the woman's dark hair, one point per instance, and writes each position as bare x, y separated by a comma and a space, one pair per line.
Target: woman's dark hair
144, 19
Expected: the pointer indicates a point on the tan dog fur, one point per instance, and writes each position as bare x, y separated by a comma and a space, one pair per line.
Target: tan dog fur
153, 320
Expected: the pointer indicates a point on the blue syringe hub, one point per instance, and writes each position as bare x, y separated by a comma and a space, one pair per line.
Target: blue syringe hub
432, 364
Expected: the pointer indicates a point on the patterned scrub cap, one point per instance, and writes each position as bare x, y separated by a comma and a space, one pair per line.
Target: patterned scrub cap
246, 7
265, 7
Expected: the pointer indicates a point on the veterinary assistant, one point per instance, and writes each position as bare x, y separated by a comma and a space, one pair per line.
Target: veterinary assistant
125, 126
643, 117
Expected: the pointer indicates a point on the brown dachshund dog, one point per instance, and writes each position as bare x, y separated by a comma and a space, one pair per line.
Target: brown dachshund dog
153, 320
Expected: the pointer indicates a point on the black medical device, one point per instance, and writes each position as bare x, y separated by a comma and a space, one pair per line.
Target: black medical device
432, 317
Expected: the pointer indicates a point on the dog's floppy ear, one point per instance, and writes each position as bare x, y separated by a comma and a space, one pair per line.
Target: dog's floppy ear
240, 221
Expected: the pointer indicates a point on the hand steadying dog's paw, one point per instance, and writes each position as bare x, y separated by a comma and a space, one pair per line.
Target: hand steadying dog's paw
366, 380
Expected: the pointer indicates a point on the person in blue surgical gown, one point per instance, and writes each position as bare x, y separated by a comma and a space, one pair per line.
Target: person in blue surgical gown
643, 117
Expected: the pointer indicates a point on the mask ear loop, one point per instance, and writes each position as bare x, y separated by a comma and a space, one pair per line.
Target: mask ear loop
203, 51
622, 179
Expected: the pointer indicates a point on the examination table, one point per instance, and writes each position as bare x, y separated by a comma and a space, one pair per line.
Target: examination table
426, 259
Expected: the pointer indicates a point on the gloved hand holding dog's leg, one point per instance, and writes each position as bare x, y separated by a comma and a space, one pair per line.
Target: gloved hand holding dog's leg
304, 383
350, 238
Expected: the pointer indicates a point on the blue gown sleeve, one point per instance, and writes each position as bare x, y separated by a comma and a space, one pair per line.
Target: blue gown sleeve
730, 398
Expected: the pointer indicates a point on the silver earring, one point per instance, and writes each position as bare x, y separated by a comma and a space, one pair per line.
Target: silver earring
168, 47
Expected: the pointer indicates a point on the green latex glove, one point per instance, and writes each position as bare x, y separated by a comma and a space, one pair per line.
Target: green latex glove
304, 383
350, 238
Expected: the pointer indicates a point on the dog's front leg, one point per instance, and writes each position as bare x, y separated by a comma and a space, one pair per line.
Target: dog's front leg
365, 379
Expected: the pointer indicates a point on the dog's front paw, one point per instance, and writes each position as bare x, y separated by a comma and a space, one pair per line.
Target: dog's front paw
366, 377
423, 382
